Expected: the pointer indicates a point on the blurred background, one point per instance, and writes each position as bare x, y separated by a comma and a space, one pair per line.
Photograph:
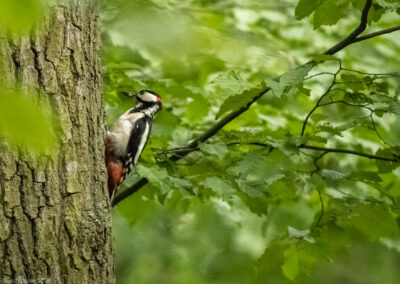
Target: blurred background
195, 54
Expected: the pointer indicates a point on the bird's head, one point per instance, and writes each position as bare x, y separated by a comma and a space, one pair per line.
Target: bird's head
149, 99
146, 96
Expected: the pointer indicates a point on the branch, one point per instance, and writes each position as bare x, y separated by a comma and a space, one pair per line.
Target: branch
354, 36
351, 152
220, 124
378, 33
124, 194
325, 151
351, 38
216, 127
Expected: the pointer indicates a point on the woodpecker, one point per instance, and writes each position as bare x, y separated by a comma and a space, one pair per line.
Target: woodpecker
127, 138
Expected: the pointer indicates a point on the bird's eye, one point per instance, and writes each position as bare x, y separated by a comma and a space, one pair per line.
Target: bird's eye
141, 92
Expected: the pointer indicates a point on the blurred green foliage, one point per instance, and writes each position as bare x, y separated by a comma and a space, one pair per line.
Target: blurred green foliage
19, 16
25, 121
236, 212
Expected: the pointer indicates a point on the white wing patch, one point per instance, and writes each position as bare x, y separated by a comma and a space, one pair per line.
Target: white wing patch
142, 143
121, 131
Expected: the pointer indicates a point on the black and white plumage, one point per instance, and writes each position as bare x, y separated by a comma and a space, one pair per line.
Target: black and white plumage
126, 140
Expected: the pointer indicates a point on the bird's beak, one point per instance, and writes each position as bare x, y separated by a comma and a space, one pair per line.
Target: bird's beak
128, 94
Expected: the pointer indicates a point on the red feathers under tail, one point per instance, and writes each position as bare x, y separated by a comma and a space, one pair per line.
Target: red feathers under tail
114, 166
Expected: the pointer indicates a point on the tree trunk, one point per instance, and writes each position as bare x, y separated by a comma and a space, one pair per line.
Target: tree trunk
55, 216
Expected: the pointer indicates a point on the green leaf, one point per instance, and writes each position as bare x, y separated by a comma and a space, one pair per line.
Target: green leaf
252, 189
332, 175
184, 186
353, 82
290, 267
248, 163
238, 101
326, 127
220, 150
154, 174
318, 117
257, 205
289, 80
375, 221
297, 234
329, 13
222, 187
365, 176
232, 82
386, 166
305, 7
357, 97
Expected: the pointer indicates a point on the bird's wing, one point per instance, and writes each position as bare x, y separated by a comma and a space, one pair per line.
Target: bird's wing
137, 141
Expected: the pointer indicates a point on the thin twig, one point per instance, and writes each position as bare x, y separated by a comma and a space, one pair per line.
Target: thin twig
370, 74
328, 150
378, 33
303, 129
351, 152
318, 74
321, 214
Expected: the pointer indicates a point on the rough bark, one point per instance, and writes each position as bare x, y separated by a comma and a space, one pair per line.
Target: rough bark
55, 219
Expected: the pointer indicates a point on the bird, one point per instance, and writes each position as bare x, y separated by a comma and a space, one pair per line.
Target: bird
127, 138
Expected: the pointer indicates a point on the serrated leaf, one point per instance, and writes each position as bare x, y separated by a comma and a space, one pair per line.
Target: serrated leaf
182, 184
232, 82
247, 164
219, 186
305, 7
332, 175
329, 129
329, 13
219, 150
154, 174
252, 189
289, 80
238, 101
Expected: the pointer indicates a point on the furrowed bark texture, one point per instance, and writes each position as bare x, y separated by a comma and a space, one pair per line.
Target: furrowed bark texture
55, 219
